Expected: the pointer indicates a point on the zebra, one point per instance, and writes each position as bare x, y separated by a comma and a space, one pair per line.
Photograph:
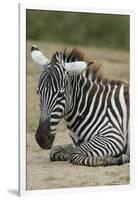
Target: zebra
95, 109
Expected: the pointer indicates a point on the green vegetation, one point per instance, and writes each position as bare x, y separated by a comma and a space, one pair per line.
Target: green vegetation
102, 30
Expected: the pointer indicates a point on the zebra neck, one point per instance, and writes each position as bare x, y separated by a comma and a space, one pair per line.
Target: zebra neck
79, 86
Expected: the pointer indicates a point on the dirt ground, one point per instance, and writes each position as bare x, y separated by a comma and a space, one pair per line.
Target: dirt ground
41, 172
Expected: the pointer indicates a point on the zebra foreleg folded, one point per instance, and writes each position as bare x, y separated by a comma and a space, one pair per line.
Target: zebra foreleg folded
61, 152
80, 157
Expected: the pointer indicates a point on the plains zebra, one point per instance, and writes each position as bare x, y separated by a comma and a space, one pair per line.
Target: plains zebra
96, 110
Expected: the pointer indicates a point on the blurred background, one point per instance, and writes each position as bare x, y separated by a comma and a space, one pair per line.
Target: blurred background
102, 30
102, 37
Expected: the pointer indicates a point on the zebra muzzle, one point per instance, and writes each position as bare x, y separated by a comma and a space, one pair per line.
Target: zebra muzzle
43, 136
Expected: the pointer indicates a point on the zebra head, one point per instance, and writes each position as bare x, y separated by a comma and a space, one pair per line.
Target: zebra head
53, 89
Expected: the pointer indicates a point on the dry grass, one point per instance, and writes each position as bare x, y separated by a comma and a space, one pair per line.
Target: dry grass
43, 174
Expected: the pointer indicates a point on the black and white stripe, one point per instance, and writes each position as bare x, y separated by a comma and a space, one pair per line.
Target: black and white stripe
96, 112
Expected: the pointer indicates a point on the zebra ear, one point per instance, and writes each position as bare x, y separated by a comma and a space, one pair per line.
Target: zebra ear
38, 57
76, 67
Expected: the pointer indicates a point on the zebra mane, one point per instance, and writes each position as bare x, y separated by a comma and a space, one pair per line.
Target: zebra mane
93, 70
77, 55
70, 56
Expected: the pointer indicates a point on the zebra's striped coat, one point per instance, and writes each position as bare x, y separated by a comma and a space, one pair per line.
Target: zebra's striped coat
96, 111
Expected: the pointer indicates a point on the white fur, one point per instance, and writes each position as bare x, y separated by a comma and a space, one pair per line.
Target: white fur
39, 58
76, 67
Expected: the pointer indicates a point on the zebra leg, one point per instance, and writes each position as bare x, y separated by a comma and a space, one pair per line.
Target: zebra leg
61, 152
79, 156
